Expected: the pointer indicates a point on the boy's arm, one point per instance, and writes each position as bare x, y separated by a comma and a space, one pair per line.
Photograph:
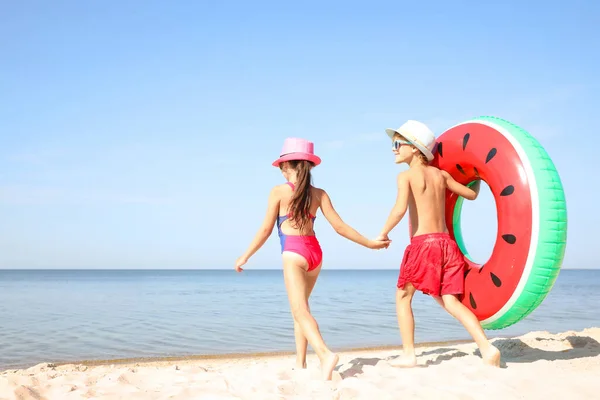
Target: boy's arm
460, 189
400, 207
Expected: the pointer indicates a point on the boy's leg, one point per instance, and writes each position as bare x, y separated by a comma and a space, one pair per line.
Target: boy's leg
453, 282
406, 323
489, 353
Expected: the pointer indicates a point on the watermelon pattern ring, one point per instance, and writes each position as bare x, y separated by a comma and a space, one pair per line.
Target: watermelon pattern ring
531, 211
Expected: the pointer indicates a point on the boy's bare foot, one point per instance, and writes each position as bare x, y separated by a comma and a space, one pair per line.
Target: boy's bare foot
404, 361
491, 356
328, 365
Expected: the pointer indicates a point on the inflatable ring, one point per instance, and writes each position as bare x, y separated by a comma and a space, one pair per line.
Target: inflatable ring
532, 216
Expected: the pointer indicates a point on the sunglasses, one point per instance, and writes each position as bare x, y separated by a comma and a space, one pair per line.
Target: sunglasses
397, 143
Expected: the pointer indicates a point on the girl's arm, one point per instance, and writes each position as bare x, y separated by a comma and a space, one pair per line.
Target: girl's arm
264, 231
344, 229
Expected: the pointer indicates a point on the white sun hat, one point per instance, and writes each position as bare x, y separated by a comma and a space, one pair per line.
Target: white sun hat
418, 134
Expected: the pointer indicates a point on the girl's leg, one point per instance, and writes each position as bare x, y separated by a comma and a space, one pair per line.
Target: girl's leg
301, 342
296, 283
489, 353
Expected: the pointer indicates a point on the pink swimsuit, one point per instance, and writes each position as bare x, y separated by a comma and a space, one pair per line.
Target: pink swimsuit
304, 245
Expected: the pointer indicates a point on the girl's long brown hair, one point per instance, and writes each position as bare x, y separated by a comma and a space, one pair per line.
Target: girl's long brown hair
300, 204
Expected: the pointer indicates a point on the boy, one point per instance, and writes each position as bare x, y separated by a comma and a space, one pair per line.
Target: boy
432, 262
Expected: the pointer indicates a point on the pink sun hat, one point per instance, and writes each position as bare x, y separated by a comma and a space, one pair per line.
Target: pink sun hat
297, 149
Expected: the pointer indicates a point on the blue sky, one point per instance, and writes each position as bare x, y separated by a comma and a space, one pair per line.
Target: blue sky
140, 134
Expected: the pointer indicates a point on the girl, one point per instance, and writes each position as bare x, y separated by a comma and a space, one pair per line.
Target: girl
293, 206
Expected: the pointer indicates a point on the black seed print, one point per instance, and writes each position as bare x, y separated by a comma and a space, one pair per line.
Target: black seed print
467, 272
460, 169
439, 149
491, 155
496, 280
510, 239
476, 172
508, 190
472, 301
481, 269
466, 140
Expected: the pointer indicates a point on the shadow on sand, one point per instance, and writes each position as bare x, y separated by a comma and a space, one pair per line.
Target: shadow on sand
513, 351
517, 351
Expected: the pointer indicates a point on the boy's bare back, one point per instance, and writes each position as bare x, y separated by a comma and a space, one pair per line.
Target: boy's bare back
427, 196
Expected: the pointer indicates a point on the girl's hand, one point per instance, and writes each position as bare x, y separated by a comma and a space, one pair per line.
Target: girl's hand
239, 262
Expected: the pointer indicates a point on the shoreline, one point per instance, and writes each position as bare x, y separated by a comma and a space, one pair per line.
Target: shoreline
222, 356
243, 355
569, 363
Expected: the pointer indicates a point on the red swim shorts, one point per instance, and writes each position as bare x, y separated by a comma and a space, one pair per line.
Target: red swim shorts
434, 265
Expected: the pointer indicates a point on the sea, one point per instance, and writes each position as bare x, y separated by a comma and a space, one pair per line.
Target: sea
81, 315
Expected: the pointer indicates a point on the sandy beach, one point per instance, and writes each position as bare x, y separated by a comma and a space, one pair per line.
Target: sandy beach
537, 365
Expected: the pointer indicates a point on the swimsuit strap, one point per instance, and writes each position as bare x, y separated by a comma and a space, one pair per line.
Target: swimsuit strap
281, 219
284, 217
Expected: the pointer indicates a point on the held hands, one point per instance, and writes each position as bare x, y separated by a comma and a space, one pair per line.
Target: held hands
239, 262
380, 242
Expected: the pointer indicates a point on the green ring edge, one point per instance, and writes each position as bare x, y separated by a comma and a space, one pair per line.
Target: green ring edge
458, 236
552, 237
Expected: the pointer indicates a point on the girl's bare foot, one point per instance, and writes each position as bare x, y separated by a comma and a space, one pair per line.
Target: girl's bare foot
328, 364
300, 365
404, 361
491, 356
